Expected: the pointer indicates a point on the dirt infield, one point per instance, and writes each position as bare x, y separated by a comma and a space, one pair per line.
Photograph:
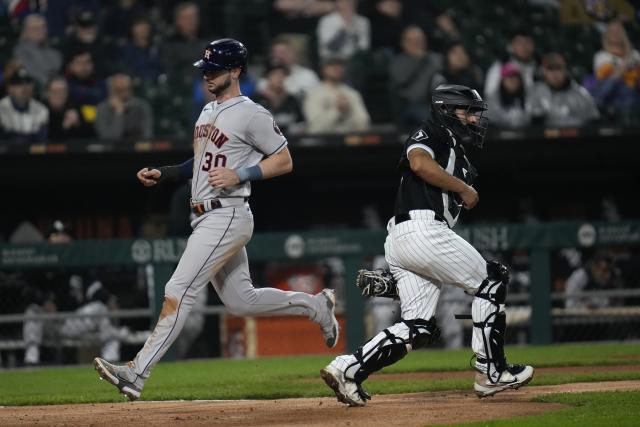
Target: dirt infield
414, 409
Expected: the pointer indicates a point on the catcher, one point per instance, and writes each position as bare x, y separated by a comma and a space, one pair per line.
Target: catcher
424, 254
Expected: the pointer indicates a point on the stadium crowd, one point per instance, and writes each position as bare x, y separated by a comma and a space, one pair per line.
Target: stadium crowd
121, 69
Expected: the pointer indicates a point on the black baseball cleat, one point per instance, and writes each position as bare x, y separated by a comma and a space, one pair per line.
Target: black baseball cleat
127, 382
514, 377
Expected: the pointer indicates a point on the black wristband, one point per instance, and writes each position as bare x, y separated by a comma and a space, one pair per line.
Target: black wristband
168, 173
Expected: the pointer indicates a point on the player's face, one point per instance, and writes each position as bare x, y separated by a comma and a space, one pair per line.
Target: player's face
217, 81
467, 117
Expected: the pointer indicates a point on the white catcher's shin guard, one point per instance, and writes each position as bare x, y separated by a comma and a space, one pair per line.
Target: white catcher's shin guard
489, 326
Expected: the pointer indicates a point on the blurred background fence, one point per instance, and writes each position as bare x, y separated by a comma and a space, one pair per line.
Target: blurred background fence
572, 281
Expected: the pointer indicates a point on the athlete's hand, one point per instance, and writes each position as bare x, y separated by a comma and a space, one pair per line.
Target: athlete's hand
148, 177
223, 177
469, 197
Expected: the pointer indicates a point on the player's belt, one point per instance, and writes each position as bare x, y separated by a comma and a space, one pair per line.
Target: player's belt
200, 208
402, 217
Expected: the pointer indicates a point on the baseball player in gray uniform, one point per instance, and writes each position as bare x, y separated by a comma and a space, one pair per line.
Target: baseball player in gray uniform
235, 142
424, 254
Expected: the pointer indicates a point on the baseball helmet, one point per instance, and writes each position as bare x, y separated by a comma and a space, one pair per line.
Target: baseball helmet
447, 98
223, 54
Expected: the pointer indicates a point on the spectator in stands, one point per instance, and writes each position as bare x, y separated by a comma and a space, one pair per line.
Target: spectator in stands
61, 13
521, 51
37, 331
40, 61
184, 44
332, 106
118, 17
98, 327
275, 98
434, 20
299, 79
140, 55
9, 69
298, 16
22, 118
343, 32
412, 75
507, 104
386, 19
65, 119
617, 72
458, 68
85, 37
559, 101
122, 115
599, 273
86, 90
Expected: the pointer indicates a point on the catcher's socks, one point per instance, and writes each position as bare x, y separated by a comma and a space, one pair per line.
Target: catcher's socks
327, 318
121, 376
514, 377
346, 391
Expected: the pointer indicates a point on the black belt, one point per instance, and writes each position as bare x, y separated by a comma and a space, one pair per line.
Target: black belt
402, 217
199, 208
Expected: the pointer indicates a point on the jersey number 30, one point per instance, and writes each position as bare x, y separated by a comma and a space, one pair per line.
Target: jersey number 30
220, 160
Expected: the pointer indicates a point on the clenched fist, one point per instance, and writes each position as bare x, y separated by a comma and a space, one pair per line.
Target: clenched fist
148, 177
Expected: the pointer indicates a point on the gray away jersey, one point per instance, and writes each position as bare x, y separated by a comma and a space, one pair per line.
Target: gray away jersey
234, 134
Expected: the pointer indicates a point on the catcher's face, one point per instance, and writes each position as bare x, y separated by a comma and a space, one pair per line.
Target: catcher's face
468, 117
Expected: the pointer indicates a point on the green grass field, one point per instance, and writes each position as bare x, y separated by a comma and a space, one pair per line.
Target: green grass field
272, 378
614, 409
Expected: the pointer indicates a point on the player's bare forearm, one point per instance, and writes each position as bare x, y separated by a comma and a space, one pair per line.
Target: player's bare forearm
274, 165
423, 165
277, 164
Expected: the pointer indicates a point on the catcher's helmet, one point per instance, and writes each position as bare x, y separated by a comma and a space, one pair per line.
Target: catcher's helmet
223, 54
444, 102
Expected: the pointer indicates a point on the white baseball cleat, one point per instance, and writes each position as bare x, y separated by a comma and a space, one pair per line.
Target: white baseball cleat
327, 320
514, 377
127, 382
346, 391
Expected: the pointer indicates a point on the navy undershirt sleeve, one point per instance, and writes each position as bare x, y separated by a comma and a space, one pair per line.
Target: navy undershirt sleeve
186, 169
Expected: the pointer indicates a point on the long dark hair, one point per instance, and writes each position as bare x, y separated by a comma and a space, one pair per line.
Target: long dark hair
516, 98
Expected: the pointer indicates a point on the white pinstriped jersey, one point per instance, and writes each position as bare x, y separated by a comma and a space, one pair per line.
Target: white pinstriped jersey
234, 134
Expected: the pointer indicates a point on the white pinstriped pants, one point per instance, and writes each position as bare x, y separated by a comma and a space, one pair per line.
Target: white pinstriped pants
424, 254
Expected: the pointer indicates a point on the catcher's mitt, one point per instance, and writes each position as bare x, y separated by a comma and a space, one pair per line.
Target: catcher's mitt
377, 283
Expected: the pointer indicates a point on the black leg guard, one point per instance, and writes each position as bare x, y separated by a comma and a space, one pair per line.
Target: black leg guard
493, 327
391, 345
494, 346
387, 354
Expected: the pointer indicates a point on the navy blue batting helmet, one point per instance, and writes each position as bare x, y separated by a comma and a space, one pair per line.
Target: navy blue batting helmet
223, 54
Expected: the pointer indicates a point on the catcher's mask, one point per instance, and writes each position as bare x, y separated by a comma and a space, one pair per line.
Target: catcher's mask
446, 99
